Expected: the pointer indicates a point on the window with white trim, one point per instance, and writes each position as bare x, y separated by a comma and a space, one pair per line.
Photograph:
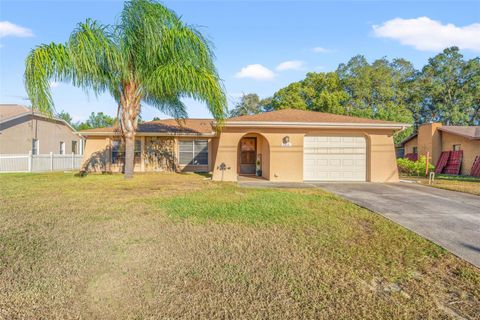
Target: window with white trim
457, 147
62, 147
193, 152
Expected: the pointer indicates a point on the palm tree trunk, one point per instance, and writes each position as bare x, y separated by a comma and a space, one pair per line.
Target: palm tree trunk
130, 109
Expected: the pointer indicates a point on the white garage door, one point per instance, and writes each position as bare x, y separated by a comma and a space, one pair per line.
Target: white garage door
328, 158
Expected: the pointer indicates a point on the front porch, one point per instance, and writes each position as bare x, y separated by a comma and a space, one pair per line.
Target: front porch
253, 158
151, 154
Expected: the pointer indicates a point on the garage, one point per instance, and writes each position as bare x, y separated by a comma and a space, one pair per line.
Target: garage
334, 158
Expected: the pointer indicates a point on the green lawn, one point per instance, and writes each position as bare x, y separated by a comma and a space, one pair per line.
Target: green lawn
179, 246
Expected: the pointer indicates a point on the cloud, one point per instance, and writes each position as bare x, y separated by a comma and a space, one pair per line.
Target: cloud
290, 65
255, 71
321, 50
426, 34
8, 29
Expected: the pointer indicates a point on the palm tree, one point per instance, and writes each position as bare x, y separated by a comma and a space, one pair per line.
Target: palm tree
149, 56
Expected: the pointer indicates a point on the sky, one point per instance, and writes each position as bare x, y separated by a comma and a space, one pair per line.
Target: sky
260, 46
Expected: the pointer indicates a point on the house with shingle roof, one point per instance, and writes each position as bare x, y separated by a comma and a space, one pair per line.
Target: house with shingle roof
435, 138
283, 145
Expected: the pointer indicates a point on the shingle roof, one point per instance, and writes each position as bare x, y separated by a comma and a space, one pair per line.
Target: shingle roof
206, 126
469, 132
12, 110
295, 115
169, 126
410, 137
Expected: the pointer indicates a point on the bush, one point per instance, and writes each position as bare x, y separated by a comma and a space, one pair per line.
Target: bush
414, 168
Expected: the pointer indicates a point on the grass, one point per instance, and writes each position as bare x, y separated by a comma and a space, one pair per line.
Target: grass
465, 184
179, 246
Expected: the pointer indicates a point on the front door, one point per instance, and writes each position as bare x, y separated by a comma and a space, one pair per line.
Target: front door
248, 155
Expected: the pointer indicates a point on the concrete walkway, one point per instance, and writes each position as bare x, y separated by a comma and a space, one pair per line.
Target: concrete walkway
450, 219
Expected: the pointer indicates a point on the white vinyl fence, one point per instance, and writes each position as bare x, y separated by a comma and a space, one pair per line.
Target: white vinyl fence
39, 163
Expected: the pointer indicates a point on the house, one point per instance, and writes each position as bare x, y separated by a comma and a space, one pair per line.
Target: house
284, 145
435, 138
23, 130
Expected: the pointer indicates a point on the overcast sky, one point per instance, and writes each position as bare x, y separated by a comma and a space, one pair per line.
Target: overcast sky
260, 46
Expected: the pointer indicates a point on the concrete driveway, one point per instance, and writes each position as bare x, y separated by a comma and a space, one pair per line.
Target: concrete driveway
450, 219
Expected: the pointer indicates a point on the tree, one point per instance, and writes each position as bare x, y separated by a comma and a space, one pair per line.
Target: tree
410, 90
248, 104
96, 120
324, 93
472, 90
317, 92
148, 56
289, 97
65, 116
375, 90
444, 96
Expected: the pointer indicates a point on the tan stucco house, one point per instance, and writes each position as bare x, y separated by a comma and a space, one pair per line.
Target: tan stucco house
434, 138
284, 145
23, 130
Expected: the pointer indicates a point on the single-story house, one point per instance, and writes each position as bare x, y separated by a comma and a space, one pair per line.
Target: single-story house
284, 145
435, 138
23, 130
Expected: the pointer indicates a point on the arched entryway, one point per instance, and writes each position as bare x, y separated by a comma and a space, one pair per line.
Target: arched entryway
253, 156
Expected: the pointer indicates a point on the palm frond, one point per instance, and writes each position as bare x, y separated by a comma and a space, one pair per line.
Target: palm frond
149, 49
172, 106
44, 63
178, 79
89, 60
171, 58
96, 58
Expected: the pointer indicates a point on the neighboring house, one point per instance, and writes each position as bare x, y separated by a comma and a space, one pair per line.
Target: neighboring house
435, 138
284, 145
23, 130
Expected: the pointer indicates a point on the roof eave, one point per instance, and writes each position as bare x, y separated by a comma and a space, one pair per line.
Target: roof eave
39, 115
466, 136
321, 125
148, 134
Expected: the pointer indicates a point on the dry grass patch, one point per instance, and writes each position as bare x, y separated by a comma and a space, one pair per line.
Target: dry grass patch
471, 185
178, 246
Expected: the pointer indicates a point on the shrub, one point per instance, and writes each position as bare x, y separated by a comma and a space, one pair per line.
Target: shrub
412, 168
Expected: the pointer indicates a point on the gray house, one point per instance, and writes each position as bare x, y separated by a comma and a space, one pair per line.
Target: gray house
23, 130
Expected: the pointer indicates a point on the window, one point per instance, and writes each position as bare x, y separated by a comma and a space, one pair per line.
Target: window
118, 151
35, 146
193, 152
74, 147
456, 147
415, 150
62, 147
